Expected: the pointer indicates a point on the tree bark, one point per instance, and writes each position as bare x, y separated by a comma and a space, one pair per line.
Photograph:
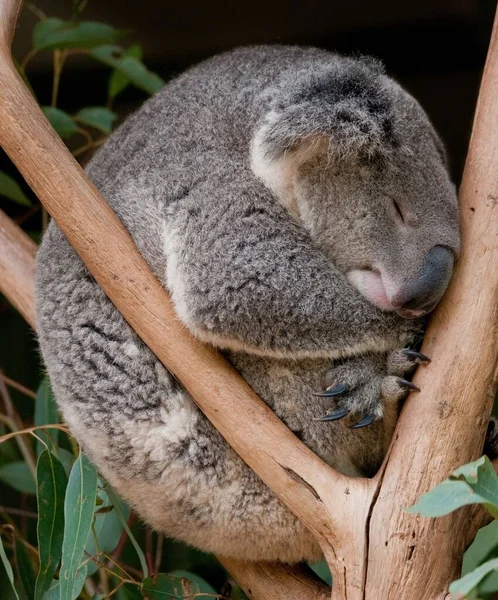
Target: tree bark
409, 558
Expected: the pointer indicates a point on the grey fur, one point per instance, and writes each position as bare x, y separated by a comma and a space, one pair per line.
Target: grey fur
254, 185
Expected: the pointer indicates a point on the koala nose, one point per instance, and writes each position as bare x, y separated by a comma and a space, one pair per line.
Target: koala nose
421, 296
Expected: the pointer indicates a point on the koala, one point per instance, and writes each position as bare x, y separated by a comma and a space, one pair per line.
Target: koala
297, 207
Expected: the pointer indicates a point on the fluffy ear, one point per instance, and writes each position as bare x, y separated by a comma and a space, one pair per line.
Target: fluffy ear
344, 108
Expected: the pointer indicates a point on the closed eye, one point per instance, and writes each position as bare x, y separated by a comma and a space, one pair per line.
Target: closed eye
398, 210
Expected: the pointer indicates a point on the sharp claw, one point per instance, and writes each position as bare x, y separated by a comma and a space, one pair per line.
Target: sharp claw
408, 385
417, 356
332, 390
367, 420
334, 416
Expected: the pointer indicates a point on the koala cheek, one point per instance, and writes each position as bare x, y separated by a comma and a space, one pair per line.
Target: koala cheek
369, 284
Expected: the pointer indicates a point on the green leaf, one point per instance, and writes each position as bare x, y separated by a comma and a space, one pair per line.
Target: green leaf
54, 592
78, 515
133, 69
97, 116
24, 568
51, 34
52, 482
177, 584
46, 413
118, 81
60, 121
462, 587
18, 476
108, 527
474, 483
8, 567
193, 584
9, 188
119, 507
66, 458
162, 586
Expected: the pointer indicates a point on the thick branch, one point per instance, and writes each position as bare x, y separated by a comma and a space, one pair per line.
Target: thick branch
267, 581
9, 12
17, 268
444, 426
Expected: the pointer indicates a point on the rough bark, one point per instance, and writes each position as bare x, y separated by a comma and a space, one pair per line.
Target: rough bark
353, 520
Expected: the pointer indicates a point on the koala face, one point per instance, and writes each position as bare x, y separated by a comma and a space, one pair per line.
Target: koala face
365, 174
392, 227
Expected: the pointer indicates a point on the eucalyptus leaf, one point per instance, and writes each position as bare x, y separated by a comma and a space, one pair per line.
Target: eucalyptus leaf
63, 123
51, 34
18, 475
46, 413
196, 583
9, 188
54, 591
79, 505
162, 586
461, 588
108, 527
474, 483
8, 568
52, 482
66, 458
118, 81
130, 67
120, 508
99, 117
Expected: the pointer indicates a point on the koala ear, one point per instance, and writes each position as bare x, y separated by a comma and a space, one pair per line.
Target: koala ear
346, 104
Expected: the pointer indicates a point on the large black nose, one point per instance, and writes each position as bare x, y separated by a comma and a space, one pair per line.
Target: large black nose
422, 295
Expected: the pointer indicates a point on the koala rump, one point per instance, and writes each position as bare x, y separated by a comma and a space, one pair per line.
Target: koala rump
297, 207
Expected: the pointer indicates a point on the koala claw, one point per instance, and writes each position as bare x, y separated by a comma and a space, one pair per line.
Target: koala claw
416, 356
407, 385
334, 416
364, 422
332, 390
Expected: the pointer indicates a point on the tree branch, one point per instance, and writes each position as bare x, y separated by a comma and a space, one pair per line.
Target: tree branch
17, 268
444, 426
439, 430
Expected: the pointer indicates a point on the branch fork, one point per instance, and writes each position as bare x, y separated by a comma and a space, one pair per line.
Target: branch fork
375, 549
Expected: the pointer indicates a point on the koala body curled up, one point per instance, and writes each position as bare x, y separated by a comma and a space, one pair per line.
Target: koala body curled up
297, 207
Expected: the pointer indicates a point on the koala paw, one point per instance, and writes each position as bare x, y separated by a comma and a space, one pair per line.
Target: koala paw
361, 386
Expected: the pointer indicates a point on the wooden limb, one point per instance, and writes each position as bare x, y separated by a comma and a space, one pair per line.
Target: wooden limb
17, 268
408, 557
268, 581
444, 426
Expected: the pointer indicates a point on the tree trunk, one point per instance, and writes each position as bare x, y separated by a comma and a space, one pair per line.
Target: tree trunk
374, 549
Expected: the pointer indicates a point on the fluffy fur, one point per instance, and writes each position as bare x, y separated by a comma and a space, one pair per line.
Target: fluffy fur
255, 185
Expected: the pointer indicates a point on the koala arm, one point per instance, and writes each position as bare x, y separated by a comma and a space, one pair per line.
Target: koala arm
244, 276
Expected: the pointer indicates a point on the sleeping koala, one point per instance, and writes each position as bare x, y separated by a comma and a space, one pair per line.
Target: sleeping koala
297, 207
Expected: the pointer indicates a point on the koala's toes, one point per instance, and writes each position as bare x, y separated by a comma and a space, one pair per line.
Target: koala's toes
364, 421
400, 362
394, 388
335, 389
491, 442
359, 401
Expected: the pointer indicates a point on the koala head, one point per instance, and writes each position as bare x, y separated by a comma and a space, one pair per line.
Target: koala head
355, 160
